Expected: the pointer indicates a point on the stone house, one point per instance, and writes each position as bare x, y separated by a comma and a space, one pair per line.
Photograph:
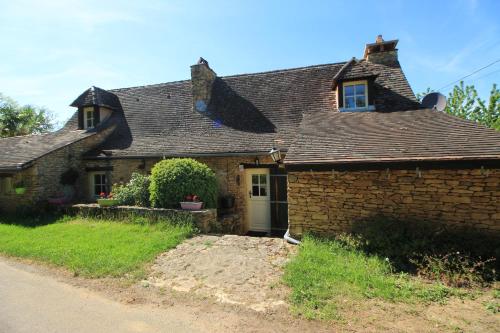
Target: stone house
354, 140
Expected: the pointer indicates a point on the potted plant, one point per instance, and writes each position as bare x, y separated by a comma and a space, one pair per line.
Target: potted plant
20, 188
106, 200
191, 202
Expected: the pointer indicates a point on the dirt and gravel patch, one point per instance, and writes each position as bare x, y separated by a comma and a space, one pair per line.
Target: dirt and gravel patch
239, 270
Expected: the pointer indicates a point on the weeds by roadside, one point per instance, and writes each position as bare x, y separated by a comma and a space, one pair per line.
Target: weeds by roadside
326, 272
456, 257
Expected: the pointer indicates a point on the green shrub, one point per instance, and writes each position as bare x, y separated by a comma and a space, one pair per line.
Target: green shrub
136, 192
173, 179
457, 257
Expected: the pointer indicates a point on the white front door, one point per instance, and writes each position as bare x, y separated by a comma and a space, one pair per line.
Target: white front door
258, 199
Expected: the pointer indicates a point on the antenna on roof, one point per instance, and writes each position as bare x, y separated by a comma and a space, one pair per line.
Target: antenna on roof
435, 101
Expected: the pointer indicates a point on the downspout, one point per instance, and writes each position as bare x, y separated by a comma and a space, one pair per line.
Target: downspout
290, 239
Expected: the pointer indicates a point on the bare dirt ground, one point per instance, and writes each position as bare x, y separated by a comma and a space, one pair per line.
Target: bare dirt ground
236, 270
229, 283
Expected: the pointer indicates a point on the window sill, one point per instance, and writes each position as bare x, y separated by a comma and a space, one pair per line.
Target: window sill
365, 109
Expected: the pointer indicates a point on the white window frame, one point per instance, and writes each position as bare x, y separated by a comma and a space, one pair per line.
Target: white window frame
86, 118
356, 83
93, 184
261, 186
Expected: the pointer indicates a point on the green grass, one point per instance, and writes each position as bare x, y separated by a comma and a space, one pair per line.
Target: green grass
91, 247
325, 274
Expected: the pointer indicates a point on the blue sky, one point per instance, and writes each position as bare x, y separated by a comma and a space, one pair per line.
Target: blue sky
51, 51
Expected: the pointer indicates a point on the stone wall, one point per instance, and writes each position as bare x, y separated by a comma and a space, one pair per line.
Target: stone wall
384, 57
230, 179
42, 180
205, 219
329, 202
9, 200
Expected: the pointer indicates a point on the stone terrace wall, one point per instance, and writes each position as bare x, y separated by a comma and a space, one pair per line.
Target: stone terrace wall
205, 219
327, 202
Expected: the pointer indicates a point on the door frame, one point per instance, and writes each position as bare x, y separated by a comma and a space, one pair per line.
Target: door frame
248, 196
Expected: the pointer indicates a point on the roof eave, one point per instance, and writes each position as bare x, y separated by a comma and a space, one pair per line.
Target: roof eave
16, 168
171, 155
450, 161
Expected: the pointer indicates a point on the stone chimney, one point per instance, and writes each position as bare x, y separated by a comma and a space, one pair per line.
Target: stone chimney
382, 52
202, 79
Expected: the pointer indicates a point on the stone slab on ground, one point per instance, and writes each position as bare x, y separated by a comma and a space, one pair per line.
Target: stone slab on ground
232, 269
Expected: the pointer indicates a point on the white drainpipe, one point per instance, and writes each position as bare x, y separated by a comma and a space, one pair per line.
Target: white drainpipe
290, 239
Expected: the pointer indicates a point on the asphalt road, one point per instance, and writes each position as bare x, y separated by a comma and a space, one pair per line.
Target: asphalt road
35, 303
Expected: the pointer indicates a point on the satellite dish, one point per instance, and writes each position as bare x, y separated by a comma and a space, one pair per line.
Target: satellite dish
435, 101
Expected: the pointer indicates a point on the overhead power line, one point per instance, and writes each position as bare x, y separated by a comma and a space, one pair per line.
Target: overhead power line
466, 76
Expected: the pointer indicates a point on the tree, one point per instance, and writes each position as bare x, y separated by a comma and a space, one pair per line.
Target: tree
464, 102
490, 114
22, 120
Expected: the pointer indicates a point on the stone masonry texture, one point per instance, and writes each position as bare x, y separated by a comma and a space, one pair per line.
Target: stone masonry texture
229, 177
330, 202
42, 180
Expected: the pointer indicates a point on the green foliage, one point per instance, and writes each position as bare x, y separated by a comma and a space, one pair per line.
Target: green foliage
455, 268
135, 193
173, 179
22, 120
456, 257
326, 273
464, 102
92, 247
494, 304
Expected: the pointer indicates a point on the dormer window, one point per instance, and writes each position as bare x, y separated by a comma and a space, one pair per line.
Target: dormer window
355, 95
95, 105
89, 117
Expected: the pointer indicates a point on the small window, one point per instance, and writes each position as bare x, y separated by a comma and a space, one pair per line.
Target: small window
99, 184
355, 95
5, 185
259, 185
89, 117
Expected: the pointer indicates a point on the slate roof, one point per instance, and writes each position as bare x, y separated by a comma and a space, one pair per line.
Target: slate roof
371, 137
356, 69
97, 96
19, 151
249, 113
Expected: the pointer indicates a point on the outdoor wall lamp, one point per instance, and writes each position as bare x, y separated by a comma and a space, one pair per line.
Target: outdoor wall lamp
275, 155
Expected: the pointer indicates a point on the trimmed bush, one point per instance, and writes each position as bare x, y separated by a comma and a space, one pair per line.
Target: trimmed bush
173, 179
136, 192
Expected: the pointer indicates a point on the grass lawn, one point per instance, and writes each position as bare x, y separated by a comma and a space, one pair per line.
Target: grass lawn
325, 273
92, 248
